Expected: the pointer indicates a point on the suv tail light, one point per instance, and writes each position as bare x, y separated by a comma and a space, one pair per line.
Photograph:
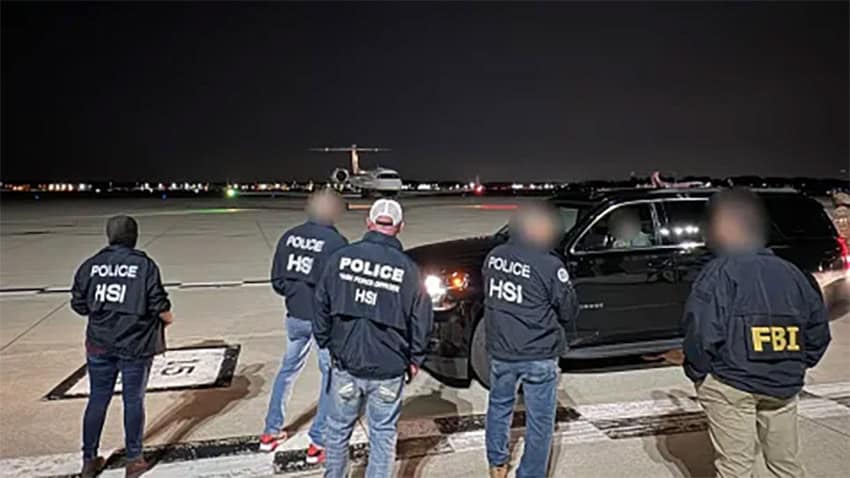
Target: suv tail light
845, 253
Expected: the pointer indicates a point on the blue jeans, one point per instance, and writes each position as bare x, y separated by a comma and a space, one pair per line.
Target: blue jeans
539, 379
383, 406
299, 338
103, 372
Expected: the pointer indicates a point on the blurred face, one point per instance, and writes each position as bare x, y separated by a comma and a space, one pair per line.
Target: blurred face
727, 233
326, 208
540, 230
625, 227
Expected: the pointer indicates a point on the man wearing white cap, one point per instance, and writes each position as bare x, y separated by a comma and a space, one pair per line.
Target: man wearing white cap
374, 317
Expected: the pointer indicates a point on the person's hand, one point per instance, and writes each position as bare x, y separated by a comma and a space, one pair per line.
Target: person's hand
412, 371
166, 317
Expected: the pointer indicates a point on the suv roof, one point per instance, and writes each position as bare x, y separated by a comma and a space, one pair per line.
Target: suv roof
625, 194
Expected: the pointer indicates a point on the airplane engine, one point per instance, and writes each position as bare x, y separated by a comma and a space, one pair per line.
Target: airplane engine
340, 176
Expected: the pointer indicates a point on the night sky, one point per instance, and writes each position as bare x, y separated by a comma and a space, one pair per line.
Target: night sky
505, 91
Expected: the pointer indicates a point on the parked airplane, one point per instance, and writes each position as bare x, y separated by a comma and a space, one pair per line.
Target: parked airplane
660, 183
383, 181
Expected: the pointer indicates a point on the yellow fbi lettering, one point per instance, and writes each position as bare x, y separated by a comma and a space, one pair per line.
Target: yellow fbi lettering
781, 339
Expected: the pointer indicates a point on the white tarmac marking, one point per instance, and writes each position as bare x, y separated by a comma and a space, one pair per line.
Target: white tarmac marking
572, 432
643, 408
821, 408
828, 390
173, 369
210, 284
18, 293
46, 465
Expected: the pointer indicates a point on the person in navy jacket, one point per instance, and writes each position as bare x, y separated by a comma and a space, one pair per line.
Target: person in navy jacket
375, 317
528, 303
120, 291
298, 261
753, 324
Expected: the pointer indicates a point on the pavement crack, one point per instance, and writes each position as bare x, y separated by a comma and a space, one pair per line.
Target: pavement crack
34, 325
263, 234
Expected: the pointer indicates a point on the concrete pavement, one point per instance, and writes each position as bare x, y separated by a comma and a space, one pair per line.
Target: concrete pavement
638, 422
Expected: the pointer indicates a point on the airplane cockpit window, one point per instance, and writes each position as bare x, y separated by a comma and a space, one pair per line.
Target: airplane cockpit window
388, 176
626, 227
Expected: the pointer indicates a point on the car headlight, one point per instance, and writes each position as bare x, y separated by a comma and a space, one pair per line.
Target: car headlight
439, 288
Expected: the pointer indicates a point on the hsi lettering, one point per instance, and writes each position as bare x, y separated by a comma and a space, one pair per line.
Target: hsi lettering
366, 296
110, 293
302, 264
505, 290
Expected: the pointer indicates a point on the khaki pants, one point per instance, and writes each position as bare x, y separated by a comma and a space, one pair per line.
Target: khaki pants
739, 421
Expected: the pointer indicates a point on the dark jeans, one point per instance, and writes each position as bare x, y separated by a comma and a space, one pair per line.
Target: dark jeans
103, 372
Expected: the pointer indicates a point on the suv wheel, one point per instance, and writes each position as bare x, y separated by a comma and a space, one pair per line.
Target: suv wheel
479, 360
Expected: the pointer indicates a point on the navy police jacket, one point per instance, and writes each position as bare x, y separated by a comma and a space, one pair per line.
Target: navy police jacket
528, 302
755, 322
372, 312
121, 292
298, 262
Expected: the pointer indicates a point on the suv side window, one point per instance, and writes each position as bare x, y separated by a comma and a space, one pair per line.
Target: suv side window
685, 222
624, 227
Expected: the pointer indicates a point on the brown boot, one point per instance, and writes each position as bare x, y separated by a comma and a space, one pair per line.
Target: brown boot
500, 471
92, 467
135, 468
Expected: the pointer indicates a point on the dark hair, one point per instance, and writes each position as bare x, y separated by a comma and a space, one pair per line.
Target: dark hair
122, 230
745, 206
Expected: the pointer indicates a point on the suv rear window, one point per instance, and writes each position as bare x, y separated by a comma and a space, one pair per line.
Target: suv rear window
794, 217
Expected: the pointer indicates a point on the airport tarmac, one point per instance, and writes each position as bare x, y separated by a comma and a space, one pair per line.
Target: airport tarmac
637, 421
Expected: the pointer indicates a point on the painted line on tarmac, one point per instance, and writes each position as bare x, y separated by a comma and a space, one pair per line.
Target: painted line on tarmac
583, 424
199, 285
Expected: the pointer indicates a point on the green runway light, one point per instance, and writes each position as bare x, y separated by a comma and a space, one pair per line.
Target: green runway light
231, 193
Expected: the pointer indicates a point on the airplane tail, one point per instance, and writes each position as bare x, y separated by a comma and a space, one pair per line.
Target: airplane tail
657, 181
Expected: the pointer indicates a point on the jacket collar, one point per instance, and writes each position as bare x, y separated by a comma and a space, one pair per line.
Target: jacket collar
761, 251
383, 239
518, 240
316, 223
117, 247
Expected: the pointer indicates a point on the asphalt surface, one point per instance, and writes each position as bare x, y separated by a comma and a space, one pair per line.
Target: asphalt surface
617, 418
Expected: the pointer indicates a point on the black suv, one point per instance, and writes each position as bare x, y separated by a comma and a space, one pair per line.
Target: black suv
632, 291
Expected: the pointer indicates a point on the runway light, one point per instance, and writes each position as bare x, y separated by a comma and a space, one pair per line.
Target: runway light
231, 193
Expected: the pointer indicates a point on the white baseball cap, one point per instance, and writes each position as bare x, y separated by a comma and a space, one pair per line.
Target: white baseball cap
386, 212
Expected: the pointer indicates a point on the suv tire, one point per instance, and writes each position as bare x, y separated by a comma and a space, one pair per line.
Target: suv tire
479, 359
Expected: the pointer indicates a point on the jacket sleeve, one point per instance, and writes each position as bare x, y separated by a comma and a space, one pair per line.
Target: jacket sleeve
278, 280
157, 297
421, 321
323, 321
704, 324
79, 292
816, 336
564, 298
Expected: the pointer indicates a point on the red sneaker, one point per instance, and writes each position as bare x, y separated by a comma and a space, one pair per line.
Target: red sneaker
269, 442
315, 455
